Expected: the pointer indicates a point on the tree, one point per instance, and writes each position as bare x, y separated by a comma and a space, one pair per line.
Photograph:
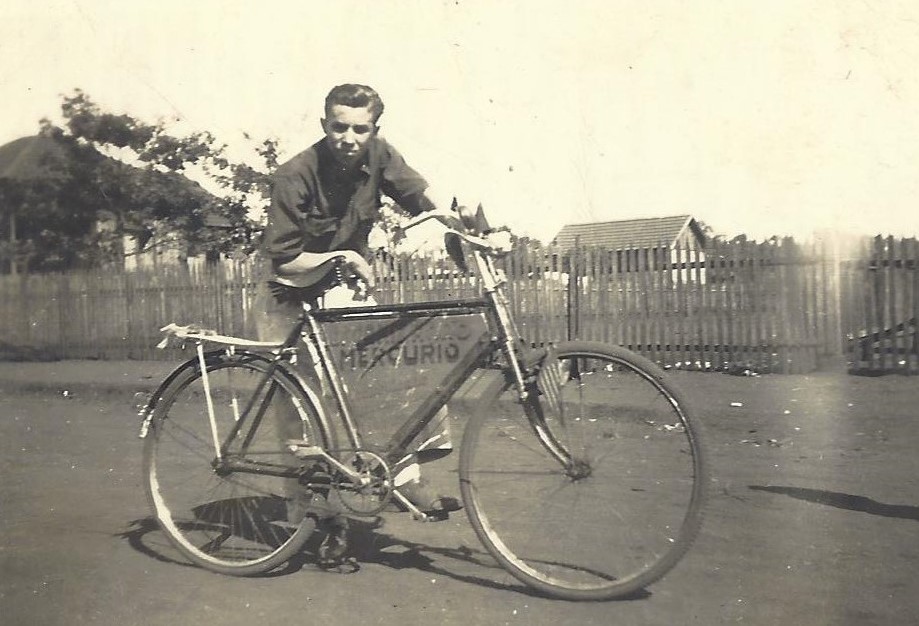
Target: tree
240, 186
118, 176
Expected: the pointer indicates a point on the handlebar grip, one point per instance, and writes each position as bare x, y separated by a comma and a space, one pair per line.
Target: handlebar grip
481, 221
475, 223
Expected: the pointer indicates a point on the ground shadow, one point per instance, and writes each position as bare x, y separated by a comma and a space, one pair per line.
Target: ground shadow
845, 501
367, 545
146, 537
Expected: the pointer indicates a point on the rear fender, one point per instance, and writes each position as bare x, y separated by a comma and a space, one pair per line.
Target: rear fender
215, 356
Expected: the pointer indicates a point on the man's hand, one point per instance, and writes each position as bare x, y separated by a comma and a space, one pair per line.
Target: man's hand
500, 240
358, 266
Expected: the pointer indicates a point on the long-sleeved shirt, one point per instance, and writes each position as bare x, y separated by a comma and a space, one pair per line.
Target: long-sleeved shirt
319, 206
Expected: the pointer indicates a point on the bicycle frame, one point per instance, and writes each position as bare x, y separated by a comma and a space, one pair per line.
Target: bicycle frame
500, 338
483, 351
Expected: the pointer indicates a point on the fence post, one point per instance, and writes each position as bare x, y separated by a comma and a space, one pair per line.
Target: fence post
64, 319
574, 271
835, 325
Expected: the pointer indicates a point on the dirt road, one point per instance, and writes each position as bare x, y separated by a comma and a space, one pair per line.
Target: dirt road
813, 520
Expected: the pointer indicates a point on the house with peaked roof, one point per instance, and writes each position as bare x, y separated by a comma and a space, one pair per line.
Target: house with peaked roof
639, 243
634, 234
28, 158
34, 159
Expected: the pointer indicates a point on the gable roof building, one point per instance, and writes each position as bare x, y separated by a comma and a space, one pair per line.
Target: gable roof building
29, 158
652, 232
33, 160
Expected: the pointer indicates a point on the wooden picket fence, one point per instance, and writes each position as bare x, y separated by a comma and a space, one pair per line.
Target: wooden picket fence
771, 307
881, 304
729, 306
740, 305
116, 314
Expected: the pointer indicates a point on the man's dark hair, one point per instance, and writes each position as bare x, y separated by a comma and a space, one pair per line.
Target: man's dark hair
352, 95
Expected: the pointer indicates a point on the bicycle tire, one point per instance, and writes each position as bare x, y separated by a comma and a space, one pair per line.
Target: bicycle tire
629, 501
227, 522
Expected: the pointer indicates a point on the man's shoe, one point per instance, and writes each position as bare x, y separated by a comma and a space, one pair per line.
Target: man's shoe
429, 502
426, 455
335, 544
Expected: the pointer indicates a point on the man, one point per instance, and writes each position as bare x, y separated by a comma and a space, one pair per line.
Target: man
324, 203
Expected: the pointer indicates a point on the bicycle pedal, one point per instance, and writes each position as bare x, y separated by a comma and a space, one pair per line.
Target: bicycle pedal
417, 514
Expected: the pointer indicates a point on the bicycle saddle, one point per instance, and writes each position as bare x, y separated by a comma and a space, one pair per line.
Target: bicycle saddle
312, 285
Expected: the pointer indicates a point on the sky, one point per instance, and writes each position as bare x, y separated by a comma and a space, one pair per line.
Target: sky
760, 118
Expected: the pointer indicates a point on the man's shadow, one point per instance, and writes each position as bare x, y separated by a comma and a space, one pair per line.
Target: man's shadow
366, 545
845, 501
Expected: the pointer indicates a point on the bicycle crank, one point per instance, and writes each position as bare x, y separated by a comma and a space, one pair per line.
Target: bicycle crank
367, 487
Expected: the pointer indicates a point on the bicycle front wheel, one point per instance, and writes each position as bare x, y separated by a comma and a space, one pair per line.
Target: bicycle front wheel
215, 477
596, 490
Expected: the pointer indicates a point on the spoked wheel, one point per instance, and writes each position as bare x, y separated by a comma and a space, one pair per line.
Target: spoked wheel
221, 511
599, 490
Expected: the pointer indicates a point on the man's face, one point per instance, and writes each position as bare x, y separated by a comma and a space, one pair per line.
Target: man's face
348, 131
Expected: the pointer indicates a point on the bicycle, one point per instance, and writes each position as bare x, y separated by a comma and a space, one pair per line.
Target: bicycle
582, 472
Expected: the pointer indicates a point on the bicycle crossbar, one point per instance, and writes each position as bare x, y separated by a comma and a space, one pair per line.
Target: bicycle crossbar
383, 311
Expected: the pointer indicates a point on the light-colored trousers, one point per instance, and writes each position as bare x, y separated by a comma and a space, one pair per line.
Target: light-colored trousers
274, 321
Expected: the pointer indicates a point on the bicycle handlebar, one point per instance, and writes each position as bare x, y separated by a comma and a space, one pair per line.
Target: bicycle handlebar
458, 222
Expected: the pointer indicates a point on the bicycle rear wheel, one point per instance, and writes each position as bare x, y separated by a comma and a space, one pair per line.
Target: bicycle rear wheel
597, 489
227, 518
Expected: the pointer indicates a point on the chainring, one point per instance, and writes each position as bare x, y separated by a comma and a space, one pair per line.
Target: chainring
371, 497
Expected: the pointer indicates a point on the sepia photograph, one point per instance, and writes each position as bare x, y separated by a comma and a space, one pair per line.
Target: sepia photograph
459, 312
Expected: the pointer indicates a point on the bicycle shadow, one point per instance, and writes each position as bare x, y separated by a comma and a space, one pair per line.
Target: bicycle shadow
145, 536
369, 546
846, 501
366, 546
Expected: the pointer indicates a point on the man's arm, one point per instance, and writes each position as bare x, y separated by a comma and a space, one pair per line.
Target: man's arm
433, 199
407, 187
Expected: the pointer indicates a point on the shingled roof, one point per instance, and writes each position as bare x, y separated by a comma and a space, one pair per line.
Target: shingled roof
30, 158
629, 234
